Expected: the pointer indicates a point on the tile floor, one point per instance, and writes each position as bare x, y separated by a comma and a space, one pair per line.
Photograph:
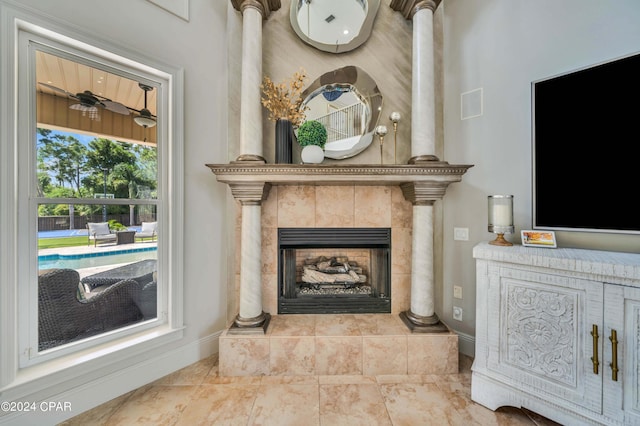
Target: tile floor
198, 395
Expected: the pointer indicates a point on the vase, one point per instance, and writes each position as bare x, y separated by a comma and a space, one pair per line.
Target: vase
312, 154
284, 141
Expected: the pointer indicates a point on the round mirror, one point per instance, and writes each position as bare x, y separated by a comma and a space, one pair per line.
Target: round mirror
333, 25
348, 103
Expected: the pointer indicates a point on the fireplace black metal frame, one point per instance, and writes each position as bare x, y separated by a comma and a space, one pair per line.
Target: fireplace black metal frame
291, 239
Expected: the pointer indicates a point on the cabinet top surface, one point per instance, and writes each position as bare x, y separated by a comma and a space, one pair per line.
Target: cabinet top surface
602, 265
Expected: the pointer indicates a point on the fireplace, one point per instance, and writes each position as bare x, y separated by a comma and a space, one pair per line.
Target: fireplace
334, 270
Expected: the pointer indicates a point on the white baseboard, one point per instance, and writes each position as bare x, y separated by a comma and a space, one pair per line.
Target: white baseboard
466, 344
106, 388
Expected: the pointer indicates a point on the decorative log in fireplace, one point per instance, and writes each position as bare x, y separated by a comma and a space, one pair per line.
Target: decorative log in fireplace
334, 270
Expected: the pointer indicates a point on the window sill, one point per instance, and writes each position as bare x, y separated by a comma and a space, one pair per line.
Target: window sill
92, 362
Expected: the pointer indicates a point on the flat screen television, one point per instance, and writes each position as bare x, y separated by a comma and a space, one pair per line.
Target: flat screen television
586, 149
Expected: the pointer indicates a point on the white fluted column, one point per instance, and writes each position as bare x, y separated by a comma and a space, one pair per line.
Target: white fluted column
423, 114
423, 111
422, 316
251, 318
253, 12
250, 107
422, 283
250, 266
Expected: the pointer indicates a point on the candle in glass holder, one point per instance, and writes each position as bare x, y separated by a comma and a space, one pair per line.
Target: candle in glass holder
501, 218
500, 212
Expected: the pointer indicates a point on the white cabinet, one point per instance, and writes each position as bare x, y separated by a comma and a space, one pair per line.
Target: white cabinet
545, 326
621, 393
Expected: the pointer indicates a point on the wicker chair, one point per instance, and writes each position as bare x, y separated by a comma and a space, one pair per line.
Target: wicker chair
64, 318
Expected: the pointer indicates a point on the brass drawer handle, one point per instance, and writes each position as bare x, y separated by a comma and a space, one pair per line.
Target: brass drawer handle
614, 355
594, 358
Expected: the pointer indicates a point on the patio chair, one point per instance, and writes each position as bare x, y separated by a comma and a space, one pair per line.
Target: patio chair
147, 230
63, 317
99, 232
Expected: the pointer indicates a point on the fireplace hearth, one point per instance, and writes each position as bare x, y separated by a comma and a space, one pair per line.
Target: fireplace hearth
334, 270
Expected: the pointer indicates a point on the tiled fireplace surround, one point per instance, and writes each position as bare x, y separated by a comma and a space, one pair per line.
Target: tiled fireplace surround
328, 344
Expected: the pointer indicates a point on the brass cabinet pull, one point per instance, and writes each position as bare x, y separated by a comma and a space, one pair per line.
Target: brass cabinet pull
594, 358
614, 355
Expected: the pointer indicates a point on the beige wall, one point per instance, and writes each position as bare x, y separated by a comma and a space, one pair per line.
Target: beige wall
386, 57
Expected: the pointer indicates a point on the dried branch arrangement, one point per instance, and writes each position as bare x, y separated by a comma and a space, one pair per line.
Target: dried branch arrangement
283, 100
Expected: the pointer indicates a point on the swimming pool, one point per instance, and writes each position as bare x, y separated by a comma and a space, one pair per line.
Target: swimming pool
91, 260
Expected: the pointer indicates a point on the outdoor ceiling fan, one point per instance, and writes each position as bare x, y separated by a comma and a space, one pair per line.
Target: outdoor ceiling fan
145, 119
89, 103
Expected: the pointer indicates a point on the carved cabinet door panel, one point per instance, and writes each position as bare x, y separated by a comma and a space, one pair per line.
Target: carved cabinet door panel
621, 347
540, 337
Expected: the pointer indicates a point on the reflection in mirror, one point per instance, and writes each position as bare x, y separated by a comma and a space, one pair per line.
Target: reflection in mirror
333, 25
348, 103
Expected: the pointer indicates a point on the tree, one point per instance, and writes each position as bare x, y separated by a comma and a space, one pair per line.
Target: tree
105, 154
129, 176
68, 168
62, 156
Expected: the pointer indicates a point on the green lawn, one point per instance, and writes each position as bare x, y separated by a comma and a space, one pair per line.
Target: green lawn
45, 243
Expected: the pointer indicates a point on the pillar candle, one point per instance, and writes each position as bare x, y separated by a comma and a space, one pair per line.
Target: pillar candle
502, 215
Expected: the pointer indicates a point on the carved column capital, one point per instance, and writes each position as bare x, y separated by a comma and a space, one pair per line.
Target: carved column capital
265, 7
424, 193
250, 193
408, 8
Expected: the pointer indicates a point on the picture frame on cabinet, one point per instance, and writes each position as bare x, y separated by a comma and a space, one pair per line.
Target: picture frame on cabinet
538, 239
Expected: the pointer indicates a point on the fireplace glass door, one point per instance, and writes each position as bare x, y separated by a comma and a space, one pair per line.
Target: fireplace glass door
334, 270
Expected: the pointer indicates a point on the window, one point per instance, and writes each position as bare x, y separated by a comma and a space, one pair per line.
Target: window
79, 167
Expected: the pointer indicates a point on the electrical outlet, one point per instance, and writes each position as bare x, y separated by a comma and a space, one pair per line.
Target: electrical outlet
457, 313
457, 292
461, 234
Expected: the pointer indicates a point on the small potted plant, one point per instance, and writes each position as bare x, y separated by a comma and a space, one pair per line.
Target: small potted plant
312, 136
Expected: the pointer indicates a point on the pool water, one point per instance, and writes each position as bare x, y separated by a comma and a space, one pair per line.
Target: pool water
91, 261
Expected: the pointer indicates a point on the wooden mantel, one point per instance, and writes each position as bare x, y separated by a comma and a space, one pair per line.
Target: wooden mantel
421, 183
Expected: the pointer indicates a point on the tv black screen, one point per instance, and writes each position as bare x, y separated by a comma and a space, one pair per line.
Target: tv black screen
586, 149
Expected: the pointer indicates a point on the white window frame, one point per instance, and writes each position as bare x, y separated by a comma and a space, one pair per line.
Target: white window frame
19, 362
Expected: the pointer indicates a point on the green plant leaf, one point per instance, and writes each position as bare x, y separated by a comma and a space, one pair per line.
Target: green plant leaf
312, 133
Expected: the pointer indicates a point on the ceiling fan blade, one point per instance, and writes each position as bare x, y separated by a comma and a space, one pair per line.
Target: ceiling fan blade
90, 110
83, 107
57, 89
116, 107
90, 100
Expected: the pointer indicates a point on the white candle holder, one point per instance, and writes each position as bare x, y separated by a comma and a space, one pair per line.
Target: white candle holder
501, 218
